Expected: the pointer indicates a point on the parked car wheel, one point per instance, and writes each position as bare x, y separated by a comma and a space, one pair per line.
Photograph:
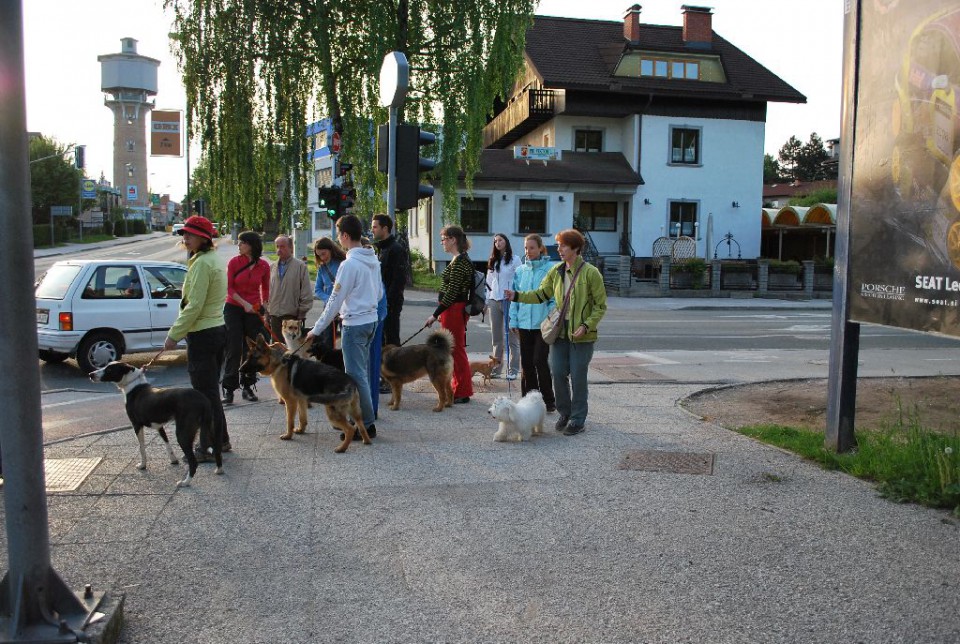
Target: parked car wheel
53, 357
97, 350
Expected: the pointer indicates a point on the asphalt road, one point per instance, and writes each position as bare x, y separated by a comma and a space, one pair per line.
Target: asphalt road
709, 346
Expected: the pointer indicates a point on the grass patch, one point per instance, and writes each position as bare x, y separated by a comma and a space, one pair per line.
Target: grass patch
906, 461
92, 238
423, 275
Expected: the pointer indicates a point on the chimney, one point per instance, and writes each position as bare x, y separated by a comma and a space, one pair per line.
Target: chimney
631, 24
697, 24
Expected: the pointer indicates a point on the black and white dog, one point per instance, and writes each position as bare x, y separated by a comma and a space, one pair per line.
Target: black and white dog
152, 407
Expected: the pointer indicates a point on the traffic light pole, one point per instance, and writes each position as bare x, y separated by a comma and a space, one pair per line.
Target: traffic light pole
35, 604
392, 164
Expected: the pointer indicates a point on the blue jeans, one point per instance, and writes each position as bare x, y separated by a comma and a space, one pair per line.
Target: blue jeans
356, 344
568, 364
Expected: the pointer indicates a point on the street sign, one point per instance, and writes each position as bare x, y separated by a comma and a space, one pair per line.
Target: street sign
88, 189
61, 211
335, 143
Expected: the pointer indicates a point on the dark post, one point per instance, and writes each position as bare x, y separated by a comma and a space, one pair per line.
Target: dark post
845, 343
36, 605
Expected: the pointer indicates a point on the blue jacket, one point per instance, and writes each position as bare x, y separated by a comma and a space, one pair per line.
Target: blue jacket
527, 278
324, 286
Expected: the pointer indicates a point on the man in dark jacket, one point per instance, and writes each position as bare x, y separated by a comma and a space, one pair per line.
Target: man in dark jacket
393, 270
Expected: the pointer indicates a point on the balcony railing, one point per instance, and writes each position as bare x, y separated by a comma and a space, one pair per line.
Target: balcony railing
531, 109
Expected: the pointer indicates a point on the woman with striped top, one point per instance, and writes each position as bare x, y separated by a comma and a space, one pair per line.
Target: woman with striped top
456, 284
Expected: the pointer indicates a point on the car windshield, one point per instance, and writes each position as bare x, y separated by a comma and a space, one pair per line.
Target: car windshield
55, 282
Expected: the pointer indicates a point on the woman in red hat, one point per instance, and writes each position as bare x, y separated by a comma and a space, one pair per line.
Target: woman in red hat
201, 323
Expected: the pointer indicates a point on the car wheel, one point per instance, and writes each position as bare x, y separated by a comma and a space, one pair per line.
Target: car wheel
53, 357
97, 350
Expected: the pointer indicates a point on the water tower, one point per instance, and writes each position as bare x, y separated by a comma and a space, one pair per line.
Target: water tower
129, 80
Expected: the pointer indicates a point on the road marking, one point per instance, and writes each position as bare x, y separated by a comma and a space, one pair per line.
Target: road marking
77, 401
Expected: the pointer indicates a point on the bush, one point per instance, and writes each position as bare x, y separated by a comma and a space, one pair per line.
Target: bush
694, 265
785, 268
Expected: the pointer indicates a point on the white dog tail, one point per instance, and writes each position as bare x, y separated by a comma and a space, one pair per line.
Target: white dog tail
534, 394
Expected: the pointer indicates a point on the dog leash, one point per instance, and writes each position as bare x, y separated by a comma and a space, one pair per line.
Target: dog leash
414, 335
263, 321
505, 306
158, 354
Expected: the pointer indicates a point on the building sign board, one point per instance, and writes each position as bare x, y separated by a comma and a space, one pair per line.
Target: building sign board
165, 133
131, 192
534, 153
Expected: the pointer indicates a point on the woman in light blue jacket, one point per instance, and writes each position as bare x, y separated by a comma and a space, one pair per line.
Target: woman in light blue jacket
534, 366
329, 256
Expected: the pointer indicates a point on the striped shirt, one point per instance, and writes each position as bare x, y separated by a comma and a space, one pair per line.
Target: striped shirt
456, 282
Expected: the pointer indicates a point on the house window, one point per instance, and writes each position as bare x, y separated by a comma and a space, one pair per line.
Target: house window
599, 216
475, 215
685, 145
588, 141
533, 216
683, 219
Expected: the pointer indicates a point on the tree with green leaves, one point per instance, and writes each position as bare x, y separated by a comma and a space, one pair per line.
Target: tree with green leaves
771, 169
257, 72
804, 161
54, 180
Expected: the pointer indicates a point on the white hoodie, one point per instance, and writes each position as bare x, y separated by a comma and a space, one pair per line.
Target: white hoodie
356, 291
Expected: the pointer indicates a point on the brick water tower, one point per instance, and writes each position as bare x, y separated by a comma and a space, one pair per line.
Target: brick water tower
129, 80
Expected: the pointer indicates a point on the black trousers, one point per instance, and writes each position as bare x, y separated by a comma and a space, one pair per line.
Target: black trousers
205, 352
240, 325
534, 365
391, 324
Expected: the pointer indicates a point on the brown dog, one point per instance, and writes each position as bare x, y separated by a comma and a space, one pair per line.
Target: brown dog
434, 359
297, 381
484, 369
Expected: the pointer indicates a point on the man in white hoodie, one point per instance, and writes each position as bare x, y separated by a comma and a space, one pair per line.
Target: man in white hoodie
356, 293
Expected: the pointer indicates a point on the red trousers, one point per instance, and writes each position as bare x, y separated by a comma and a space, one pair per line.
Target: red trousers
454, 320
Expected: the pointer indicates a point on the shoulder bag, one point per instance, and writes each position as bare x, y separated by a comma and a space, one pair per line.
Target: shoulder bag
552, 324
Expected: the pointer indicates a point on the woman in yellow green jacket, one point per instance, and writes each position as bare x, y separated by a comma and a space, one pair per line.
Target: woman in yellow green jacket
201, 322
571, 353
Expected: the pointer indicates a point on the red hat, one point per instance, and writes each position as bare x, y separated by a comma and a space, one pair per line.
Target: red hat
197, 225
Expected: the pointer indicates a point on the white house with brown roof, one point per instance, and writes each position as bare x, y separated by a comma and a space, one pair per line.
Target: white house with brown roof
657, 128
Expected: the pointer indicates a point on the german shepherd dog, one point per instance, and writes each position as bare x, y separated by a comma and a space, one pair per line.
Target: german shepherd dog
294, 338
434, 359
298, 381
148, 406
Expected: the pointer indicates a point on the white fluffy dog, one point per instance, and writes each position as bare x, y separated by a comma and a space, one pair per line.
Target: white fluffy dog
518, 421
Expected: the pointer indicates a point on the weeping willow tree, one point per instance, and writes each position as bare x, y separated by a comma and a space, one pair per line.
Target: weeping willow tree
256, 72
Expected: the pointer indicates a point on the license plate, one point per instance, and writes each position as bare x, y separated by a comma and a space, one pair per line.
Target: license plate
43, 316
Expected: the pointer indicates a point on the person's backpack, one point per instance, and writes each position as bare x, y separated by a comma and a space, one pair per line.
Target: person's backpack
477, 296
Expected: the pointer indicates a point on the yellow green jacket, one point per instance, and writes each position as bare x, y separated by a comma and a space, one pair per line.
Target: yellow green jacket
588, 301
204, 291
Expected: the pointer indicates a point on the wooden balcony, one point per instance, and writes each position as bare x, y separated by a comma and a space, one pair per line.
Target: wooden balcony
531, 109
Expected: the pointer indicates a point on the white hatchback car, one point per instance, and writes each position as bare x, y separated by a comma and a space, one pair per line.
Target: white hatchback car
98, 310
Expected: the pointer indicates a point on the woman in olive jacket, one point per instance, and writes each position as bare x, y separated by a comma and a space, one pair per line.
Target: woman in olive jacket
571, 353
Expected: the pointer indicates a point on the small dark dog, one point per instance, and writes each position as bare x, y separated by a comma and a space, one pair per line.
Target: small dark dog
434, 359
148, 406
298, 381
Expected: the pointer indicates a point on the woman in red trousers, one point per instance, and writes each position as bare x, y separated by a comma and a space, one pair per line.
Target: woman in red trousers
456, 284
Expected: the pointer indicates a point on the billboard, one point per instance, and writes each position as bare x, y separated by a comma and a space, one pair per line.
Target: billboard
165, 133
905, 201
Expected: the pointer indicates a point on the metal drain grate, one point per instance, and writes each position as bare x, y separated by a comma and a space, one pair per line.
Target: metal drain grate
66, 474
672, 462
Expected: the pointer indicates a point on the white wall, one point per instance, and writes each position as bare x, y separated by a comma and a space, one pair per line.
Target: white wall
731, 170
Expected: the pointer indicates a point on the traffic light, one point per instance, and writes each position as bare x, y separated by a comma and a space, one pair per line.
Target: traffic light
78, 156
410, 138
328, 198
343, 169
348, 195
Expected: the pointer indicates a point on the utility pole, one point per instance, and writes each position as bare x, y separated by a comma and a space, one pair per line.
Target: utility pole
394, 81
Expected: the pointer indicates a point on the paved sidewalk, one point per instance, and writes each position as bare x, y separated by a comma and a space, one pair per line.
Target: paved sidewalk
436, 533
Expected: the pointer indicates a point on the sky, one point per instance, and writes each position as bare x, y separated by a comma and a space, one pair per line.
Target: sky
801, 42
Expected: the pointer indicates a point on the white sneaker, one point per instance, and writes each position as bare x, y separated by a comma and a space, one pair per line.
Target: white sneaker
512, 375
